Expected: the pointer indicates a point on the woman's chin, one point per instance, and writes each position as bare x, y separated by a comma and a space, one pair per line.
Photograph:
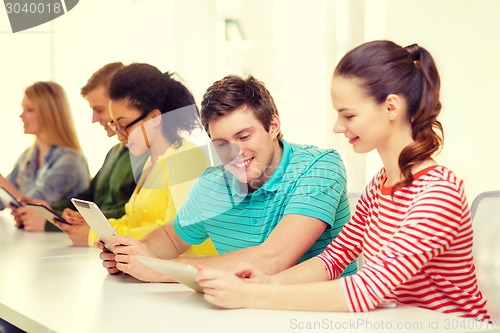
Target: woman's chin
134, 150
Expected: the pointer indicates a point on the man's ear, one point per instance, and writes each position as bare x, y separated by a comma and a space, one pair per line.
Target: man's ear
275, 126
393, 104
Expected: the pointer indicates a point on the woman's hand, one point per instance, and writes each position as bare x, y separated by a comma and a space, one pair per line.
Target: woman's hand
223, 289
16, 214
26, 218
251, 274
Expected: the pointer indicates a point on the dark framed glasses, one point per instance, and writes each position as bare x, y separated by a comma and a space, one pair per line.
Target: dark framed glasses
123, 129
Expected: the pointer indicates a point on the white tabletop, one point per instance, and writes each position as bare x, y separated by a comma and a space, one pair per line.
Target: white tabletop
47, 285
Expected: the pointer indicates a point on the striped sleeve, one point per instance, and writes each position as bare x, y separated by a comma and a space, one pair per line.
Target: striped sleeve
348, 244
425, 231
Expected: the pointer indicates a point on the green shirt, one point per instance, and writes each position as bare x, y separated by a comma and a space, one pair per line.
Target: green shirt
110, 189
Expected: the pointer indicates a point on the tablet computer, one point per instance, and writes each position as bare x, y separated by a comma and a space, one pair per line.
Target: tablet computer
96, 220
178, 271
46, 212
8, 199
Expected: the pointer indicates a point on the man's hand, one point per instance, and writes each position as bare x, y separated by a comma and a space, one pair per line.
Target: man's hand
73, 217
123, 259
77, 229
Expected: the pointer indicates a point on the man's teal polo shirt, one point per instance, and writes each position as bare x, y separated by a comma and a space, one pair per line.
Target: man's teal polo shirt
308, 181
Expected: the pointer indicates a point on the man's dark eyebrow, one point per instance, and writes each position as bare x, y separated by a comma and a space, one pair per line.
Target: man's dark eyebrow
243, 130
234, 135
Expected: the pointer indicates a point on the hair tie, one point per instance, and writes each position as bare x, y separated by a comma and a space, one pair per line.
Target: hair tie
414, 51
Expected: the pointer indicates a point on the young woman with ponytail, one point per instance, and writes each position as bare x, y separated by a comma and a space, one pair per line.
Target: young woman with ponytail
412, 222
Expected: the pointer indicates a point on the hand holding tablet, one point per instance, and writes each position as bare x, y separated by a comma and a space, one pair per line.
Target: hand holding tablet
96, 220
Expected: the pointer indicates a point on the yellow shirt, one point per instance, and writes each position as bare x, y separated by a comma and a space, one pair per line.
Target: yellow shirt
160, 192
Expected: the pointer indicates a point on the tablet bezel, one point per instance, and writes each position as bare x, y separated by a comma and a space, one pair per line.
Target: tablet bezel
46, 212
96, 220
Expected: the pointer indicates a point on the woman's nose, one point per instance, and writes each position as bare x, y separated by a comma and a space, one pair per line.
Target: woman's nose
338, 127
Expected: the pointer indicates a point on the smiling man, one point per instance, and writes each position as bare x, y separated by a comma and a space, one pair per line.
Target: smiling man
270, 203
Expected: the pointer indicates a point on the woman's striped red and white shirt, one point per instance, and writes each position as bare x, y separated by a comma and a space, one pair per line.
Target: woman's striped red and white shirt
417, 246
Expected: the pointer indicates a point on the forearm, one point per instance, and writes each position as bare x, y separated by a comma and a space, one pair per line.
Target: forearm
281, 250
311, 270
162, 245
267, 262
316, 296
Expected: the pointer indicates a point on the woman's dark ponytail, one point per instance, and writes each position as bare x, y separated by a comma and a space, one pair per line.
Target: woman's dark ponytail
427, 131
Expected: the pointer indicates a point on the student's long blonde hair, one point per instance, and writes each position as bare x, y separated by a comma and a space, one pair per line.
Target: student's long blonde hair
51, 107
53, 113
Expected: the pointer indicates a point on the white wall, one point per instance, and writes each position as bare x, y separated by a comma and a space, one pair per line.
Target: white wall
98, 32
25, 58
462, 36
292, 45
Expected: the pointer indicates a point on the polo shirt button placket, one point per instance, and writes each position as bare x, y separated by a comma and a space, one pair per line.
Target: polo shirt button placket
255, 220
255, 234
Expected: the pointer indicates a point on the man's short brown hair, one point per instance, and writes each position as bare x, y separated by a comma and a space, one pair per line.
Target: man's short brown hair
101, 78
233, 92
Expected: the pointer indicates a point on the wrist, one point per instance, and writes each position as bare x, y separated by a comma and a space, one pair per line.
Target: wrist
274, 279
249, 295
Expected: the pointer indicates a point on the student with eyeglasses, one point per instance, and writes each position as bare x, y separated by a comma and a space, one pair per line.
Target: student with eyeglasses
123, 129
150, 112
54, 167
113, 184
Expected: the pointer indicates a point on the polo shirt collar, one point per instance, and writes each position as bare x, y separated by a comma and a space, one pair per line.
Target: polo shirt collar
271, 185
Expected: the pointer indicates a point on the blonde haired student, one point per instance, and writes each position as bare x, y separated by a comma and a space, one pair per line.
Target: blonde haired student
412, 222
54, 167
